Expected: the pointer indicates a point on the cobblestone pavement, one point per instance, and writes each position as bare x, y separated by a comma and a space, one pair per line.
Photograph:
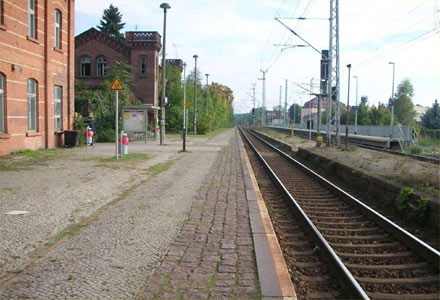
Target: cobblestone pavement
213, 255
112, 254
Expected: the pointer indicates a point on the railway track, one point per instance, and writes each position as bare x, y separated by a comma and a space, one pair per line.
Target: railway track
324, 136
339, 236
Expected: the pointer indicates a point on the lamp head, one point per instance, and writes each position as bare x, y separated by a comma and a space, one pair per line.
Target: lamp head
391, 63
195, 56
349, 66
165, 6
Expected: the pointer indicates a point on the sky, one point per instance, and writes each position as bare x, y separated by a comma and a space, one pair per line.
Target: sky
235, 40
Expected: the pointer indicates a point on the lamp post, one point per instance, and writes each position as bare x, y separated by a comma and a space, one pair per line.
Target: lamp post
207, 75
195, 94
356, 111
392, 100
348, 107
164, 6
185, 129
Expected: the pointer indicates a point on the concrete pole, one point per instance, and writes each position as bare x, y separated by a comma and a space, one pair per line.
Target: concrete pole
356, 112
348, 108
285, 106
195, 94
164, 6
392, 99
185, 130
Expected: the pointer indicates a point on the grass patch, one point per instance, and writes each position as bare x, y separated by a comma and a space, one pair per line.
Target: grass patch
160, 167
127, 158
210, 134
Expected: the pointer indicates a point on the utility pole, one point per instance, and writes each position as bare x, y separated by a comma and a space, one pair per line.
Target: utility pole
164, 6
263, 110
195, 94
281, 89
285, 106
333, 72
356, 111
348, 108
253, 98
185, 128
392, 102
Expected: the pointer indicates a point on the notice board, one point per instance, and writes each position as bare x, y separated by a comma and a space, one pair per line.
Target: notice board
134, 120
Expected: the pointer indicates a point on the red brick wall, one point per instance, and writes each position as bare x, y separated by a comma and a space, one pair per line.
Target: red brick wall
95, 49
23, 58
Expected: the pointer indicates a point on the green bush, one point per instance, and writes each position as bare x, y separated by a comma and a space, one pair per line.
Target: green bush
415, 150
413, 207
106, 135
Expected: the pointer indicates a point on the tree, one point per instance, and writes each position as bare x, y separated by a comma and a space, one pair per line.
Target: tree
111, 23
297, 108
431, 118
379, 115
403, 105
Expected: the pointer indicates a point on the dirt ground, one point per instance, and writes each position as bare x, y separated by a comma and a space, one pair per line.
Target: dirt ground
419, 175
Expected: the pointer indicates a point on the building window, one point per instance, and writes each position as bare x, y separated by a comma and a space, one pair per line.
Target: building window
32, 20
85, 66
58, 108
57, 29
143, 65
32, 105
2, 103
101, 63
2, 17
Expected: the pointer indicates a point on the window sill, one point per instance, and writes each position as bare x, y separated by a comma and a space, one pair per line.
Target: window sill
3, 27
33, 133
33, 40
4, 136
58, 50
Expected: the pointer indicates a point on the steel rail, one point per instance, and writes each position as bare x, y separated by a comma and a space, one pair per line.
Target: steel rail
340, 269
417, 245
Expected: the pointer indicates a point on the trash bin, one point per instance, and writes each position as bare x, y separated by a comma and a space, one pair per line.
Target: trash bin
71, 138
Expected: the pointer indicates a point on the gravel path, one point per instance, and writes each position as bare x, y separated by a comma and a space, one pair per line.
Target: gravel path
133, 217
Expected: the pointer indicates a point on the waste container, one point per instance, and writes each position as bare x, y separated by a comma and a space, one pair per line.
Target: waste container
71, 138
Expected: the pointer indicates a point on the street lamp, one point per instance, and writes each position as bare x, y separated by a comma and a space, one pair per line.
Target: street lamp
356, 111
164, 6
185, 129
348, 107
207, 75
195, 93
392, 100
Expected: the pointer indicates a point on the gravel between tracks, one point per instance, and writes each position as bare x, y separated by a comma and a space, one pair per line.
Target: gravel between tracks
111, 256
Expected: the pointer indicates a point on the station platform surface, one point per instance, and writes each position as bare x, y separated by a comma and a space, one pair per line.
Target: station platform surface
92, 228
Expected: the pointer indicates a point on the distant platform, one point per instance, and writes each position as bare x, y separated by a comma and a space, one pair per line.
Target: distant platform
376, 141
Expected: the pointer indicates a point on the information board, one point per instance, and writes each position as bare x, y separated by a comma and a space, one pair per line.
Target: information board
134, 121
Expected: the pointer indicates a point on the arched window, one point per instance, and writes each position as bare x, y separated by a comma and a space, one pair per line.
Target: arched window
32, 100
2, 102
85, 66
101, 64
142, 65
57, 32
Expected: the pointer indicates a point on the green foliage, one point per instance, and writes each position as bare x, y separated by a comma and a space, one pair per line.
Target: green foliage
214, 104
297, 109
415, 150
403, 106
102, 100
111, 23
413, 207
107, 135
431, 118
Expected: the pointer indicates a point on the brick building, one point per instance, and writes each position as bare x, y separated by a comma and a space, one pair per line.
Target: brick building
96, 51
36, 73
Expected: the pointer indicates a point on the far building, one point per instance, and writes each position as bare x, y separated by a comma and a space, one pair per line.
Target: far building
420, 111
309, 111
95, 52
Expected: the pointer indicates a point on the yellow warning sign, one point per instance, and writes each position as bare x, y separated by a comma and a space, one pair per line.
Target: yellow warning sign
186, 105
116, 85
